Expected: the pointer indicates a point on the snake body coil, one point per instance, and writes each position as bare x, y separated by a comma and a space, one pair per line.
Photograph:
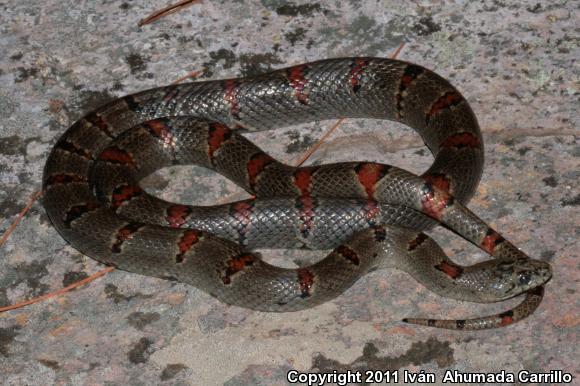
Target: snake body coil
372, 214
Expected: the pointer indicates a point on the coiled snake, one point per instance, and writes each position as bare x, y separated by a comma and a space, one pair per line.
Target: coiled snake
372, 214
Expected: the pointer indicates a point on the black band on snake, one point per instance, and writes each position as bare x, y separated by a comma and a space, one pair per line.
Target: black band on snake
372, 215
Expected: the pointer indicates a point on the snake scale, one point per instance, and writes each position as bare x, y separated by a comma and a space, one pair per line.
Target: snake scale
371, 215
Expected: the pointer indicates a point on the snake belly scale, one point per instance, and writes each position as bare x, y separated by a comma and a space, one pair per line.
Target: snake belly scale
372, 215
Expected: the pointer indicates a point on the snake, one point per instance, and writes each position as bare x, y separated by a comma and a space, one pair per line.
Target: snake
369, 215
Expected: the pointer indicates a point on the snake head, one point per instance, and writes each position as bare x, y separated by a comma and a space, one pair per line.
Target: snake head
502, 279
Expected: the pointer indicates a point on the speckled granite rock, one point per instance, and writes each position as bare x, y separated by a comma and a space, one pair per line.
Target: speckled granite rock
517, 64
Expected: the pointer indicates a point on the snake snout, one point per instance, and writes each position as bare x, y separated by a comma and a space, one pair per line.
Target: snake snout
544, 271
533, 274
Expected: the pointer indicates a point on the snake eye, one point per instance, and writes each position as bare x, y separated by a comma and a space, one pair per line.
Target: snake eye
524, 278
